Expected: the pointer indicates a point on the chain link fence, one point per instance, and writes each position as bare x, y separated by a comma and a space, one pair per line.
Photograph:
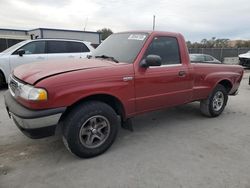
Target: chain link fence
219, 53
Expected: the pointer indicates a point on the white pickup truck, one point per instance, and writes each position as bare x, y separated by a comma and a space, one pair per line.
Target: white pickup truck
30, 51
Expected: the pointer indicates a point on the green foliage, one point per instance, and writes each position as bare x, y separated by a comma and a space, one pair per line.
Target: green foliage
105, 32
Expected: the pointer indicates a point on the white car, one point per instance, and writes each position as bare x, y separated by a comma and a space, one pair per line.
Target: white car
245, 59
203, 58
30, 51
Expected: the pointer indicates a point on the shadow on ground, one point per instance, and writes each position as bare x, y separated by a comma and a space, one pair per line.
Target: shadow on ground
26, 148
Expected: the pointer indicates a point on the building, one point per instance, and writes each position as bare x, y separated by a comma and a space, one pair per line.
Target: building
9, 37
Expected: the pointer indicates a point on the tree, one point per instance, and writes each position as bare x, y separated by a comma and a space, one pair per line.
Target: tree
210, 43
105, 32
189, 44
204, 42
243, 44
221, 43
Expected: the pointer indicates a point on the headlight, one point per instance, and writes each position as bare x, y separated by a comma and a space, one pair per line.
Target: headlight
29, 92
26, 91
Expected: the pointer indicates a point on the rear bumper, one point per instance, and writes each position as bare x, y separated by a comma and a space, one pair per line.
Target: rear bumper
33, 123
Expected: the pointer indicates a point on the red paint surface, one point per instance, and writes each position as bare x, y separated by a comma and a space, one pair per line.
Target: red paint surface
152, 88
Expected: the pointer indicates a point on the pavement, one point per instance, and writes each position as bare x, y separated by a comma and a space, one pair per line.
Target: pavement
172, 148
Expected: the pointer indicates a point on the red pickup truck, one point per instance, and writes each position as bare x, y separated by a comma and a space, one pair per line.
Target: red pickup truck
130, 73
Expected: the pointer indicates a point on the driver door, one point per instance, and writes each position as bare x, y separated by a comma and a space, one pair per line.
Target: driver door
167, 85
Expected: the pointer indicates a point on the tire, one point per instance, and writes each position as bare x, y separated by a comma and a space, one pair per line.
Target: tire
214, 105
90, 129
2, 80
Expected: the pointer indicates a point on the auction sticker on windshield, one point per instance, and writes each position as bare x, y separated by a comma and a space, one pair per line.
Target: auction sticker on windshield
136, 37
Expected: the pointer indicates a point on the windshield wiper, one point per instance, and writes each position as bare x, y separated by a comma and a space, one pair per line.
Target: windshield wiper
107, 57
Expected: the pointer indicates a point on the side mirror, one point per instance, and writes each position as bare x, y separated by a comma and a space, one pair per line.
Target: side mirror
21, 52
151, 60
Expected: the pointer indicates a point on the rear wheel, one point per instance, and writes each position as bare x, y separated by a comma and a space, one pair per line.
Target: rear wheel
90, 129
215, 103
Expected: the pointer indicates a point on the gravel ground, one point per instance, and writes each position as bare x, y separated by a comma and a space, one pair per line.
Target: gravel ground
175, 148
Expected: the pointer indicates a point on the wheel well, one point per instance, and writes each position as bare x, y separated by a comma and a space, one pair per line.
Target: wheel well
108, 99
227, 84
3, 76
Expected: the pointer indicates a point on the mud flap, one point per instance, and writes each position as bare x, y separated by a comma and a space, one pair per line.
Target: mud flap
128, 125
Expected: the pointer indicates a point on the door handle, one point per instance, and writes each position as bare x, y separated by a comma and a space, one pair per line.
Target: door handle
182, 74
127, 78
71, 56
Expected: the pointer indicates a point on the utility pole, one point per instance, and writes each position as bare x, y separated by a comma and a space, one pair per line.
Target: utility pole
153, 22
86, 21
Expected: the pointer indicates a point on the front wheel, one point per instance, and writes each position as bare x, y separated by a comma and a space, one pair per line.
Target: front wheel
90, 129
215, 103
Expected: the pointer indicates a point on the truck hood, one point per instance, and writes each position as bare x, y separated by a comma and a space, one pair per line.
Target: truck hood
34, 72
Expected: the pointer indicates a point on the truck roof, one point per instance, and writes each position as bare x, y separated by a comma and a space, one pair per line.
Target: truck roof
153, 32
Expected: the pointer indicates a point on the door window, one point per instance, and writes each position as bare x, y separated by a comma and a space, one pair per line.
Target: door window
66, 47
36, 47
208, 58
77, 47
197, 58
165, 47
57, 47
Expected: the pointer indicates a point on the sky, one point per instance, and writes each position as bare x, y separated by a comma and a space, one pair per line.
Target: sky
195, 19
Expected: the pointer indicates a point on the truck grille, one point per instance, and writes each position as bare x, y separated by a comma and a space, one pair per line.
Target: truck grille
14, 86
244, 61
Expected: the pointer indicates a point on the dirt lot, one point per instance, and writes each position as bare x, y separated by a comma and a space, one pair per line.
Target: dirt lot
170, 148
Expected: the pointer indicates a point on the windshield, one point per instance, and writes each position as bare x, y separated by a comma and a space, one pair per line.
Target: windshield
123, 47
14, 47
